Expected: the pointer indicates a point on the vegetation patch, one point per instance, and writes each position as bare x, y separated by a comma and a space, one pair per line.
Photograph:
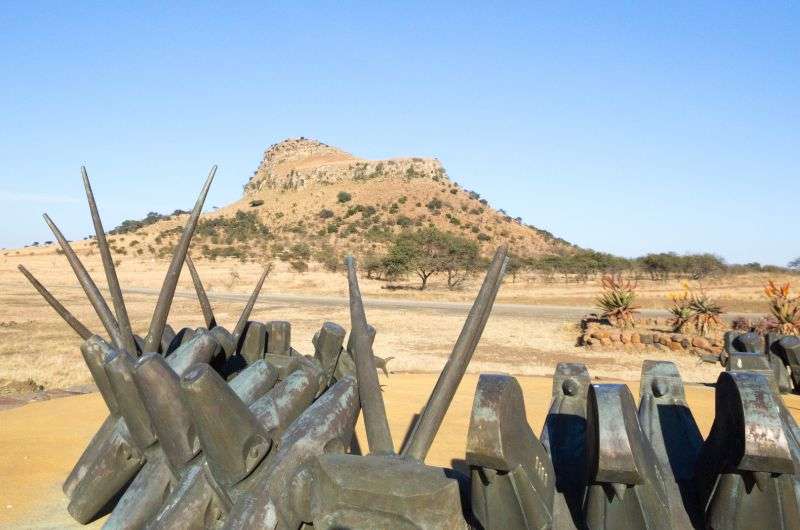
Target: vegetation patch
131, 225
243, 227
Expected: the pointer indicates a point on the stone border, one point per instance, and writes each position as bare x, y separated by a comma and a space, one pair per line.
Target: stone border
597, 333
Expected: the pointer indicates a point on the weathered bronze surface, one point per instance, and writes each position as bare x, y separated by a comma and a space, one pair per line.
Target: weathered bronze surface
513, 482
669, 426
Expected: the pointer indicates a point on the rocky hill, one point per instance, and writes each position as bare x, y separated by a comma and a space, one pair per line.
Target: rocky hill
312, 199
297, 162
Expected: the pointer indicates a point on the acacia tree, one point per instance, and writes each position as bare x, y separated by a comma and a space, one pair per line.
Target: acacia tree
461, 259
660, 265
700, 266
430, 251
372, 265
514, 266
795, 264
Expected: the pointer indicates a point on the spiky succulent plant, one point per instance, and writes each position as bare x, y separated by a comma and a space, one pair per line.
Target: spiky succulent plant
616, 300
785, 309
705, 312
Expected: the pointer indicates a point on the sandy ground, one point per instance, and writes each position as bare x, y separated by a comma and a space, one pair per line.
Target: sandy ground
40, 442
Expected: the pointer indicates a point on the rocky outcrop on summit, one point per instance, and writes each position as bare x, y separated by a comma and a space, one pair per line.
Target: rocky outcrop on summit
310, 200
295, 163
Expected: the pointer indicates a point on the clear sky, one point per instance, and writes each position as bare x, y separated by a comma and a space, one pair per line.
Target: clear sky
628, 128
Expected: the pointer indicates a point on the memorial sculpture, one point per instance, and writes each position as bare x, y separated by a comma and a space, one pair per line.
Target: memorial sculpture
775, 355
210, 428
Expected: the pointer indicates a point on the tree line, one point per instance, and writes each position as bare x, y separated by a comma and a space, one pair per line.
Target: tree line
583, 265
430, 252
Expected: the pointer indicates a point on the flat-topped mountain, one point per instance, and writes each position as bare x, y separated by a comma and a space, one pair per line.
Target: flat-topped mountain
296, 162
312, 197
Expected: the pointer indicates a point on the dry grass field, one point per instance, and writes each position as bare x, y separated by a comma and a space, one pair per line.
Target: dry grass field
38, 348
741, 293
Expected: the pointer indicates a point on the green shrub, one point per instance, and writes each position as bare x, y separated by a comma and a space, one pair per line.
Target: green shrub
343, 197
351, 228
299, 266
243, 227
130, 225
352, 210
329, 259
377, 233
411, 173
300, 251
434, 204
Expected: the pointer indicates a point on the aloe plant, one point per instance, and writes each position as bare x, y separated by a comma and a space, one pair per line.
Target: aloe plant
785, 309
705, 312
616, 300
681, 317
696, 309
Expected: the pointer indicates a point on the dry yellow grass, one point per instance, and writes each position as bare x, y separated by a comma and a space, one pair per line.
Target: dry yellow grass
736, 293
35, 344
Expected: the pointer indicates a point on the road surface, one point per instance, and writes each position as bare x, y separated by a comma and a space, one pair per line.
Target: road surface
540, 312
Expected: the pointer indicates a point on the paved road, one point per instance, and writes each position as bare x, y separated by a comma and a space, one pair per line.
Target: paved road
540, 312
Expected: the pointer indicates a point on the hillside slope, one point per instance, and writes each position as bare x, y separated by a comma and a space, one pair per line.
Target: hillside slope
307, 197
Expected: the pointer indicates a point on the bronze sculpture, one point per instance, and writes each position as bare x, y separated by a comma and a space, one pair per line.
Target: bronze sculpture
210, 428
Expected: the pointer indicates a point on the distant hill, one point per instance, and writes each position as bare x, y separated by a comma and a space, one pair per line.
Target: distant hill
307, 197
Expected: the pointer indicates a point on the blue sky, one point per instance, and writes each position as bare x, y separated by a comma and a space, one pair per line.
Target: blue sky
627, 128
